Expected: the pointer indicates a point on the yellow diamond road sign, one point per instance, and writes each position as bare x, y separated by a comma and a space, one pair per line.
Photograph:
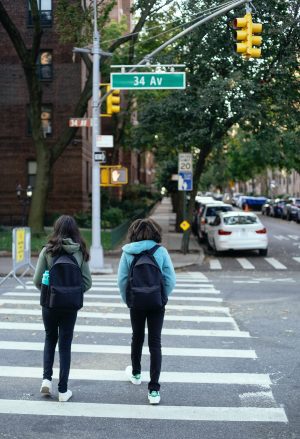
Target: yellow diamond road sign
185, 225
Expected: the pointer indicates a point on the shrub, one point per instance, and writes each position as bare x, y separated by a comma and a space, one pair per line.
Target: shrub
112, 217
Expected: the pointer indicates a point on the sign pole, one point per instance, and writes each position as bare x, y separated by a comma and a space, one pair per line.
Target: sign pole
97, 260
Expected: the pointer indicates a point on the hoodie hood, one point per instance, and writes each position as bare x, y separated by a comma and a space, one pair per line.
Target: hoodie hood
138, 247
69, 246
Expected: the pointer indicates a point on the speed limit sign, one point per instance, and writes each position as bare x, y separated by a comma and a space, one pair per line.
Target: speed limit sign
185, 162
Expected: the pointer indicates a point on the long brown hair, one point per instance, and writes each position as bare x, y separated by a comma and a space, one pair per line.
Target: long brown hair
142, 229
66, 227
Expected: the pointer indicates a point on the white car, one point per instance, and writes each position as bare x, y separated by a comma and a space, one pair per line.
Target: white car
238, 231
208, 214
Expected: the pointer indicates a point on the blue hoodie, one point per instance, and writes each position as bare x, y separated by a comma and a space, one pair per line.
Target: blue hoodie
162, 258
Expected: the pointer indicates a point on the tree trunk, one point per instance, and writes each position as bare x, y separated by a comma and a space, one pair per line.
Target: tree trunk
39, 198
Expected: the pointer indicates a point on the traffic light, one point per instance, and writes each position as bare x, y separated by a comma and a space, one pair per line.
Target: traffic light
118, 175
114, 175
112, 101
245, 31
104, 176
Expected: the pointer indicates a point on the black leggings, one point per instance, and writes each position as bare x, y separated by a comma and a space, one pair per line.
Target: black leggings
59, 325
155, 321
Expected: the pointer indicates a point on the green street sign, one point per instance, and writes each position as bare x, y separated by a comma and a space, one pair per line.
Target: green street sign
147, 80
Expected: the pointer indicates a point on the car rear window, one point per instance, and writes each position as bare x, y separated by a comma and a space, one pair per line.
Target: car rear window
212, 211
240, 219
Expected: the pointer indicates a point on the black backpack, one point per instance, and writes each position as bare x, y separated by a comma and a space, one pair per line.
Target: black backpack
145, 286
65, 283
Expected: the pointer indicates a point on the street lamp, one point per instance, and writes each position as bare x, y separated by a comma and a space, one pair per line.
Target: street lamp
96, 250
24, 197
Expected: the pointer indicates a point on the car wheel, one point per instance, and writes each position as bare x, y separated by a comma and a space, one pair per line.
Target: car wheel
263, 252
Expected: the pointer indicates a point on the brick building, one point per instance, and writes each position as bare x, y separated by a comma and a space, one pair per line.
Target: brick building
62, 80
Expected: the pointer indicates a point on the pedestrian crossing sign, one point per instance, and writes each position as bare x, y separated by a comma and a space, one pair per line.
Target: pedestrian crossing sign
185, 225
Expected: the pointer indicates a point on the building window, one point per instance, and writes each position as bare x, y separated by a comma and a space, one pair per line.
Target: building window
45, 8
46, 120
45, 70
31, 173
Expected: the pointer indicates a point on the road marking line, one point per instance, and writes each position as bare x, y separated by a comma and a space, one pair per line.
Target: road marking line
296, 258
122, 305
294, 237
125, 350
276, 264
214, 264
125, 330
172, 298
119, 316
129, 411
245, 263
204, 290
281, 237
254, 379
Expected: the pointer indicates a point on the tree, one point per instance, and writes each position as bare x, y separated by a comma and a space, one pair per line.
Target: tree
73, 13
225, 90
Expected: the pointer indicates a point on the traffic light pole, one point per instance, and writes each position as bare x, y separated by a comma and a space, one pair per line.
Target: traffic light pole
148, 57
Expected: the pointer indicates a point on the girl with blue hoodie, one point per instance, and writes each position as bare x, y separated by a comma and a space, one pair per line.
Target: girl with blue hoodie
144, 234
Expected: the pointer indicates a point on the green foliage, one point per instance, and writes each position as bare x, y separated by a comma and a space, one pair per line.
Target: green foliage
112, 217
74, 20
258, 96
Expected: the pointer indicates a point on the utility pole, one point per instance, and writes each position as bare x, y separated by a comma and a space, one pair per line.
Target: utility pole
96, 250
96, 261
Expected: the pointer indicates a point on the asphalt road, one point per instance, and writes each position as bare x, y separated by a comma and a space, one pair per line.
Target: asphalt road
230, 365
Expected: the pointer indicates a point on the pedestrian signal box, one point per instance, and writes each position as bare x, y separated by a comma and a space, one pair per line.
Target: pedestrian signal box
113, 175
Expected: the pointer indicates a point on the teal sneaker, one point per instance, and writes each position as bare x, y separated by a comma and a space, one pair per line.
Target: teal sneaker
154, 397
135, 379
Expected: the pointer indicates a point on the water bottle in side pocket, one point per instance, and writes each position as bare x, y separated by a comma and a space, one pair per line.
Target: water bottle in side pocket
44, 301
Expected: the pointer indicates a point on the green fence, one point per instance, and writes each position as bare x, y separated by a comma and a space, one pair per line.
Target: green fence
118, 233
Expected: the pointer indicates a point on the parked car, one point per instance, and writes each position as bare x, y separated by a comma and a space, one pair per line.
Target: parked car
200, 201
208, 214
235, 198
290, 209
237, 231
266, 208
277, 208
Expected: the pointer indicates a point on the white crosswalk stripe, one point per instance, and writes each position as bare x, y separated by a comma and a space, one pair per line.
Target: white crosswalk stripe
276, 264
186, 320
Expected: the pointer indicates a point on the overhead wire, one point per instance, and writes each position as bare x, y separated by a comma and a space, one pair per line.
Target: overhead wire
198, 17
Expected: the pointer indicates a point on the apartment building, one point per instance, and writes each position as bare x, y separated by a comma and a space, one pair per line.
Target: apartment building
62, 79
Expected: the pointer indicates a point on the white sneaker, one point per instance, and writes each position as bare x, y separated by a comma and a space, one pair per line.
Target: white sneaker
46, 387
135, 379
154, 397
64, 397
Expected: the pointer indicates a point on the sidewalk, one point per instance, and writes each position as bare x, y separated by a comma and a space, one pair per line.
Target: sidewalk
171, 240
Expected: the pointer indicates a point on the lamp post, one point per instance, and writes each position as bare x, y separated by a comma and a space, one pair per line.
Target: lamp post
96, 250
24, 197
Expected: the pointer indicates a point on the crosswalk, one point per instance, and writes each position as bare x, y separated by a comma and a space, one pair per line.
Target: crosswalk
259, 263
203, 349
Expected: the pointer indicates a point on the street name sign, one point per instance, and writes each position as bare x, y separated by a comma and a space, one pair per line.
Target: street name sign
78, 122
148, 80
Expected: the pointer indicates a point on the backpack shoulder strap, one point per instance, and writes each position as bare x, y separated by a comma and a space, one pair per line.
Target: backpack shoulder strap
153, 249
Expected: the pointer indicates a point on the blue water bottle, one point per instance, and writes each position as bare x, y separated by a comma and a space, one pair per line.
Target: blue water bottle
45, 289
45, 279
